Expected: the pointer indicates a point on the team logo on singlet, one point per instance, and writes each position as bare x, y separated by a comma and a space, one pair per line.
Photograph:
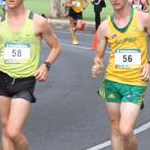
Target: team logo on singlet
111, 96
113, 36
136, 30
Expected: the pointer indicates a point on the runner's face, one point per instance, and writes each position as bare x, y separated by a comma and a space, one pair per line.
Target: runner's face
118, 4
14, 3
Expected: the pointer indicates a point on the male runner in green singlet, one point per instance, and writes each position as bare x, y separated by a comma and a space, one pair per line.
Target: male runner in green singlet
128, 71
21, 32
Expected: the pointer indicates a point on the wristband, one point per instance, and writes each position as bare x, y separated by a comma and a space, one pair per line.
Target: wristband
48, 65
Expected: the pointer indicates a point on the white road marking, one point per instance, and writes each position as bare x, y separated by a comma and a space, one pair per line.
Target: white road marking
138, 130
79, 33
142, 128
78, 46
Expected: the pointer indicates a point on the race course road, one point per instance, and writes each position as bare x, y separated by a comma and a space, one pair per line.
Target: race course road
68, 114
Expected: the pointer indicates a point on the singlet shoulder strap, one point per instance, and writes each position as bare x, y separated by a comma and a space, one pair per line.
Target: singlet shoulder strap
31, 15
3, 18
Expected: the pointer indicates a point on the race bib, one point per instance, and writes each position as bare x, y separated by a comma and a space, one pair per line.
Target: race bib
17, 52
137, 7
125, 58
76, 3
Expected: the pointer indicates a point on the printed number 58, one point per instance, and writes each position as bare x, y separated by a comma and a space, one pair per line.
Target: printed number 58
16, 53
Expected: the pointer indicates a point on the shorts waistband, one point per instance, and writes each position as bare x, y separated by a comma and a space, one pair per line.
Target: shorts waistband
13, 79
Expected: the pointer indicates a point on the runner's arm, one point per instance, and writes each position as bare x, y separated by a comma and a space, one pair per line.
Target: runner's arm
145, 18
101, 47
146, 6
46, 32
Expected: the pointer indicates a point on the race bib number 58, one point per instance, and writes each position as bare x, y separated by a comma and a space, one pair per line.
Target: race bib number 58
125, 58
16, 52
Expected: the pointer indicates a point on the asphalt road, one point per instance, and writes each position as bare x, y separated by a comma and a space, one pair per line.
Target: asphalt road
68, 114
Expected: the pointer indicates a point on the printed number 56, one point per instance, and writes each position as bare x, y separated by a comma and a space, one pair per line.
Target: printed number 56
127, 58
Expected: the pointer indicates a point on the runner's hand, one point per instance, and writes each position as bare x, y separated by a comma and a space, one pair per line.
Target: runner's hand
97, 67
42, 73
145, 72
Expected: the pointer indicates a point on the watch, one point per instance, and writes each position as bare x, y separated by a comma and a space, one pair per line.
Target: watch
48, 65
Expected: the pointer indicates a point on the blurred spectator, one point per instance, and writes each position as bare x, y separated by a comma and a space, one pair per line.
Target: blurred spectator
76, 8
141, 5
98, 6
3, 5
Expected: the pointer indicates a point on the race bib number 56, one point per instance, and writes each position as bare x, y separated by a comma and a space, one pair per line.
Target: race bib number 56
125, 58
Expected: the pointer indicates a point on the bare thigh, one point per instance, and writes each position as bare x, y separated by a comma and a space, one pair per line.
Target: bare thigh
113, 111
19, 112
129, 115
4, 109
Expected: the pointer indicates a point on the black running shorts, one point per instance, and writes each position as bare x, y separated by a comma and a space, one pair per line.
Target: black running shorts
74, 15
17, 87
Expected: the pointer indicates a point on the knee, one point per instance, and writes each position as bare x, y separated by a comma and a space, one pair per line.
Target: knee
115, 127
126, 132
115, 131
9, 132
121, 130
12, 134
71, 28
79, 26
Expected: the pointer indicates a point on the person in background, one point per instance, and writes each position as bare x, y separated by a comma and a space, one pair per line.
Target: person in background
21, 35
76, 8
141, 5
3, 6
98, 6
128, 71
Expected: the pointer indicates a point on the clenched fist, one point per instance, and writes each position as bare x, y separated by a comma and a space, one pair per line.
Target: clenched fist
97, 67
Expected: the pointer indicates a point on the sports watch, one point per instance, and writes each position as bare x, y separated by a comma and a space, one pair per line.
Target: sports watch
48, 65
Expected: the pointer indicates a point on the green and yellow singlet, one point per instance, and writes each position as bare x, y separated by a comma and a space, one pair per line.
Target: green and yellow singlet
19, 49
128, 51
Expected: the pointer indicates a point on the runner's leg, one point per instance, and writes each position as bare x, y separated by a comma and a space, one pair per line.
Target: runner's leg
127, 124
72, 30
18, 115
4, 112
114, 116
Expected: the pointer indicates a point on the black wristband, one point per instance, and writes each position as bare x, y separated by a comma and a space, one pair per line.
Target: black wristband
48, 65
